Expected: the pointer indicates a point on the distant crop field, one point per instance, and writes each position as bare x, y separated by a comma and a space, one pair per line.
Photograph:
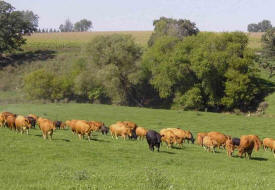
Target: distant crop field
77, 39
29, 162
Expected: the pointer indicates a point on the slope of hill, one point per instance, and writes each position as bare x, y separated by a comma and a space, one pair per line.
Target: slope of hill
59, 51
29, 162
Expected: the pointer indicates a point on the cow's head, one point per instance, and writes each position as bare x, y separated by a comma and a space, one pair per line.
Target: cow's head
28, 123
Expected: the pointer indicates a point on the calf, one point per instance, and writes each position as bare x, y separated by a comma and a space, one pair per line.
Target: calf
153, 139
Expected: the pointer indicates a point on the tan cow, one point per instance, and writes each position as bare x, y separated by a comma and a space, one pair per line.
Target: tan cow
268, 143
200, 137
3, 118
119, 129
248, 143
83, 128
219, 137
22, 124
209, 143
169, 137
229, 146
141, 132
47, 127
11, 122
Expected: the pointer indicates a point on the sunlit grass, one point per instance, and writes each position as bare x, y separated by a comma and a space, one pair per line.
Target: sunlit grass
29, 162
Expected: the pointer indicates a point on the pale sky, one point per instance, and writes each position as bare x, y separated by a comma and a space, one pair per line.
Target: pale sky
116, 15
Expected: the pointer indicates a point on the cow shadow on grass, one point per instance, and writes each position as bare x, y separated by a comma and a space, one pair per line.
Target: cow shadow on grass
252, 158
166, 152
100, 140
258, 159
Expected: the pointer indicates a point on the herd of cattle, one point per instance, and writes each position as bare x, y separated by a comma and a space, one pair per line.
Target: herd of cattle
127, 129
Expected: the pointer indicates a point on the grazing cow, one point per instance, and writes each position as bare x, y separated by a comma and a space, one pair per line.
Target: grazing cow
200, 137
83, 128
267, 143
4, 116
71, 124
169, 137
153, 139
189, 137
248, 143
47, 127
22, 124
11, 122
236, 142
32, 121
231, 144
132, 126
57, 124
141, 132
119, 129
104, 130
2, 120
33, 116
219, 137
209, 143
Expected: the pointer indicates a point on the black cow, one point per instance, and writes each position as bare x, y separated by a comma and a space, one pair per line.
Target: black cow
104, 130
153, 139
32, 121
57, 124
236, 141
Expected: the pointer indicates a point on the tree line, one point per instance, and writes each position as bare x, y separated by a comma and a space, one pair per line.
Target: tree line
181, 68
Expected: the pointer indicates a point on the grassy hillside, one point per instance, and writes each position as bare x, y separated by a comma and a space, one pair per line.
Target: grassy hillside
29, 162
58, 51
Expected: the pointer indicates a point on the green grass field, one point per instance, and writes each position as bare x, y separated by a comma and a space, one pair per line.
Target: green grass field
29, 162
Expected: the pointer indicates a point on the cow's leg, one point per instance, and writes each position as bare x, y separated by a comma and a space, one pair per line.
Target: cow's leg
27, 131
89, 136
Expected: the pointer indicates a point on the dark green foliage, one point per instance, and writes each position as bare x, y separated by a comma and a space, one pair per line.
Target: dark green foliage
204, 71
268, 51
116, 66
262, 26
13, 25
82, 25
172, 27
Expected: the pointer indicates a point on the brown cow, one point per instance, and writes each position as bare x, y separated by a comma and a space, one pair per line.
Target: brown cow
200, 137
2, 120
47, 127
11, 122
248, 143
219, 137
209, 143
71, 124
96, 125
33, 116
83, 128
141, 132
22, 124
119, 129
4, 116
268, 143
169, 137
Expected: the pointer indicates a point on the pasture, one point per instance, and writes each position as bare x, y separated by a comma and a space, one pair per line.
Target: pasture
29, 162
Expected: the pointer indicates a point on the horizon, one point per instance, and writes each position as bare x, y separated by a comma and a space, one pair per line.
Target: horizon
122, 15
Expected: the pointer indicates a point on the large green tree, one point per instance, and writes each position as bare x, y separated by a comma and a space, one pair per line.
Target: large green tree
204, 71
116, 66
13, 25
172, 27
